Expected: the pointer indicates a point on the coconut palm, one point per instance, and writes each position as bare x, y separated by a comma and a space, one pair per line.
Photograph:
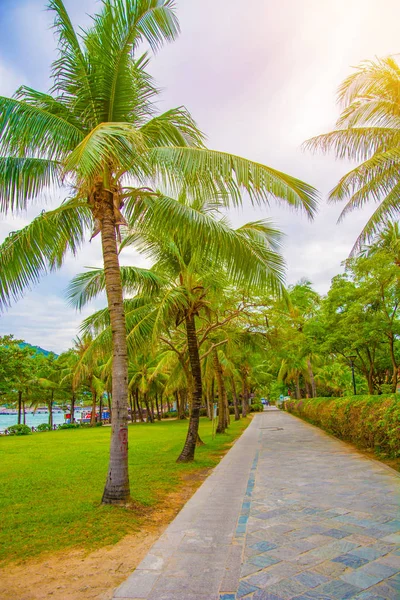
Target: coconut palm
96, 133
247, 257
368, 130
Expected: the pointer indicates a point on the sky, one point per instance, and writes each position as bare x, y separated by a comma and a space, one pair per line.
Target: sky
259, 77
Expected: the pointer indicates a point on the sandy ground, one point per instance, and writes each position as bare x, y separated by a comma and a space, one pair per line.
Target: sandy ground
77, 575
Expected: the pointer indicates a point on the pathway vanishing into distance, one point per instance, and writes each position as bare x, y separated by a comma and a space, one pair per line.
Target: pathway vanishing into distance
288, 513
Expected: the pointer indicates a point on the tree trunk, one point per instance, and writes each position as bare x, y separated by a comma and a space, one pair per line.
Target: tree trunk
101, 408
23, 412
51, 409
73, 408
298, 392
189, 448
109, 405
19, 406
394, 363
180, 405
158, 408
139, 408
235, 399
245, 398
149, 415
132, 405
117, 483
93, 412
312, 380
221, 393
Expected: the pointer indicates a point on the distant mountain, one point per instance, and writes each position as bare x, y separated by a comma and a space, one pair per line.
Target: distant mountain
37, 349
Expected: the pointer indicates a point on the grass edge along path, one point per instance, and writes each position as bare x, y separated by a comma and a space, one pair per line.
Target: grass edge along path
51, 484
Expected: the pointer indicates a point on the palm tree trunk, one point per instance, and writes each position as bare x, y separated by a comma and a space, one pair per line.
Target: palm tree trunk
245, 398
19, 406
73, 408
117, 483
180, 404
101, 408
221, 394
93, 412
189, 448
109, 405
312, 380
297, 382
132, 405
149, 415
51, 409
139, 408
235, 399
158, 408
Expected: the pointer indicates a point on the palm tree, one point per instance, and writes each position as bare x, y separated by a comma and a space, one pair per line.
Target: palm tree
247, 256
368, 130
97, 135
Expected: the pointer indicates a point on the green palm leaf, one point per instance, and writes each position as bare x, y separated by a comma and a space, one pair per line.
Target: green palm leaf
40, 247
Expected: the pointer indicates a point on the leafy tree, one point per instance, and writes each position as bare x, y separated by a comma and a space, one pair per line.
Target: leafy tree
96, 133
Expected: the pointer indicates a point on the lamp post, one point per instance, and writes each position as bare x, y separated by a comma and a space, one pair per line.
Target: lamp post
351, 358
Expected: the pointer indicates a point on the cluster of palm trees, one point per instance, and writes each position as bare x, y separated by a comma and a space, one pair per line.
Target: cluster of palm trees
136, 177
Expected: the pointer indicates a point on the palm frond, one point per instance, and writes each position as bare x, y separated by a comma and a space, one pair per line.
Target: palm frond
108, 143
27, 130
87, 286
40, 247
72, 72
228, 175
23, 179
357, 143
175, 127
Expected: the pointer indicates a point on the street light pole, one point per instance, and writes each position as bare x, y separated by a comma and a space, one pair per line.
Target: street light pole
352, 373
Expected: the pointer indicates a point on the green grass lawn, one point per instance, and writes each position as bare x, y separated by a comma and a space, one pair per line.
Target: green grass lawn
51, 483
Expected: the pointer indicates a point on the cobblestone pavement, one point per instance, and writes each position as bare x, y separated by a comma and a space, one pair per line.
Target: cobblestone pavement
289, 513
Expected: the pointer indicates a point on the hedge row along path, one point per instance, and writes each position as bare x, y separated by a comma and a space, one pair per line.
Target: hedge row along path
288, 513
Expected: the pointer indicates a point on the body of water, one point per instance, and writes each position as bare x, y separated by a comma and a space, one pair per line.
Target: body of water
33, 420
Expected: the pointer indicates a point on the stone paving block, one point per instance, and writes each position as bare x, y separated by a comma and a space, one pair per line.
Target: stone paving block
336, 533
350, 560
393, 538
339, 589
245, 588
287, 588
312, 595
263, 546
311, 579
265, 595
381, 570
330, 569
392, 560
360, 579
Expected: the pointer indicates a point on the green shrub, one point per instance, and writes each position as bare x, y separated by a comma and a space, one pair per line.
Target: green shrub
69, 426
170, 414
371, 422
256, 407
19, 430
43, 427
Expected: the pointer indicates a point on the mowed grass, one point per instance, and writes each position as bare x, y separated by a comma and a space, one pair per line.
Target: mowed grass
51, 483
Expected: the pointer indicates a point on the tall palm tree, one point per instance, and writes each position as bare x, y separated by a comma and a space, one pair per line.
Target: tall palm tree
368, 130
96, 133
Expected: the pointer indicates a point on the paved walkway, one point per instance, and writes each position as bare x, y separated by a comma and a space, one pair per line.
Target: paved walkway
289, 513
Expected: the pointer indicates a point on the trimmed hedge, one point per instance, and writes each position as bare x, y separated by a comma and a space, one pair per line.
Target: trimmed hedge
371, 422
